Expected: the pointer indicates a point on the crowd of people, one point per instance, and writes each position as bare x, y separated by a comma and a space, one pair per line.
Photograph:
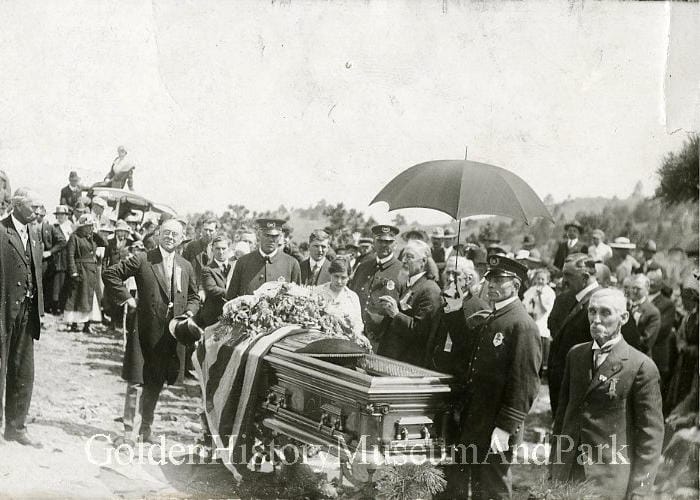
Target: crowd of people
614, 331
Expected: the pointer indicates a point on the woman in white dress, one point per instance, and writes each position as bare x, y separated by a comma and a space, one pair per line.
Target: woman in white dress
538, 301
342, 301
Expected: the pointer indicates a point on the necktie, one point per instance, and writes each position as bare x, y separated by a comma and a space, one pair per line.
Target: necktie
224, 269
314, 273
600, 355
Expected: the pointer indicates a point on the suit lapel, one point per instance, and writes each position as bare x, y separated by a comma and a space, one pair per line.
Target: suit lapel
15, 239
576, 309
611, 365
156, 260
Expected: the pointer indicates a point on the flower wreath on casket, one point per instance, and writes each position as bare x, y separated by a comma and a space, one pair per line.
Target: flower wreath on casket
228, 361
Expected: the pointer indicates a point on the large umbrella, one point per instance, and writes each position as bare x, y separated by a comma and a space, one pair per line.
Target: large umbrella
462, 188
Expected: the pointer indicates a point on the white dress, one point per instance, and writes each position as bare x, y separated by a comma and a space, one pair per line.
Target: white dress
539, 312
345, 303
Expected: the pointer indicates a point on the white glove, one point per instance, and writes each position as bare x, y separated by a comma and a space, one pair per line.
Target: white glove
499, 440
452, 305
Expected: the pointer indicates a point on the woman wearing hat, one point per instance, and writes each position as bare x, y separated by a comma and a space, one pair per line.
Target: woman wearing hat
83, 303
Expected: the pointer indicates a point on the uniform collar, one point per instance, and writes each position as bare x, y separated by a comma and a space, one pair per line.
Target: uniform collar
385, 260
502, 304
268, 256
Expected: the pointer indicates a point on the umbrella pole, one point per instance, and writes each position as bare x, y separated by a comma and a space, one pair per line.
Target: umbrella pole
459, 230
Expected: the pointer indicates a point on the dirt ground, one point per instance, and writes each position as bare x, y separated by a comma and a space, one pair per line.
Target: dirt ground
78, 394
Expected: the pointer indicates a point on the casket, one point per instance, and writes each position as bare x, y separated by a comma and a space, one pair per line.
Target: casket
343, 399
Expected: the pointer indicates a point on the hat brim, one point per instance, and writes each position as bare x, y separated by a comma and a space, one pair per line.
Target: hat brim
580, 228
623, 246
494, 273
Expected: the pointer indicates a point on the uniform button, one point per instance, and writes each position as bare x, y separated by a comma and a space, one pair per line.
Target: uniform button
19, 283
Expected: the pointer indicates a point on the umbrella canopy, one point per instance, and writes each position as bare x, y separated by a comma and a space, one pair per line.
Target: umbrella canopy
462, 188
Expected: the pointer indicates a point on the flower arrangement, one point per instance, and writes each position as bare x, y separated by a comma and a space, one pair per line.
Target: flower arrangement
276, 304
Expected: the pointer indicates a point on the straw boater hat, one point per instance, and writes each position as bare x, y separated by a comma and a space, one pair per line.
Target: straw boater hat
438, 233
61, 209
122, 226
623, 243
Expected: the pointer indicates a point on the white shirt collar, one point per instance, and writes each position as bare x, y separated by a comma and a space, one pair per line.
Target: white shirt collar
385, 259
500, 305
264, 255
610, 342
580, 295
639, 303
167, 256
572, 242
412, 280
18, 225
315, 263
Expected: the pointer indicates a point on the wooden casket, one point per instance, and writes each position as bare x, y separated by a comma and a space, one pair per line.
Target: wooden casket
344, 401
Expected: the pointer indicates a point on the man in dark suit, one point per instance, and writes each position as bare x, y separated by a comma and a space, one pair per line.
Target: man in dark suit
166, 288
215, 278
53, 242
413, 319
499, 381
199, 252
314, 270
376, 276
608, 429
643, 313
568, 321
21, 306
571, 244
660, 353
71, 194
268, 263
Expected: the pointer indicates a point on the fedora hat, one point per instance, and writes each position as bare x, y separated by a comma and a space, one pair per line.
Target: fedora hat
61, 209
622, 242
576, 224
184, 329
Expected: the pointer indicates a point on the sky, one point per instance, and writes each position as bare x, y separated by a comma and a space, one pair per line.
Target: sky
289, 102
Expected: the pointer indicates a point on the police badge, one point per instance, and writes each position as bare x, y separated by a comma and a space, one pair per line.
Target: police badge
497, 339
390, 285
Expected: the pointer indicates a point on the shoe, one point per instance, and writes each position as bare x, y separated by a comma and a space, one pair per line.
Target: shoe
74, 327
146, 438
123, 441
22, 438
87, 328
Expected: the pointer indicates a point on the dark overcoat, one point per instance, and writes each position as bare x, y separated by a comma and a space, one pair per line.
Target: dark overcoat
648, 322
563, 251
252, 270
619, 401
82, 260
499, 375
322, 277
213, 283
370, 281
163, 357
53, 241
446, 356
409, 332
661, 350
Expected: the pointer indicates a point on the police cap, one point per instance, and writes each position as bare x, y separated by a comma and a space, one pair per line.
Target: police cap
385, 232
272, 227
500, 265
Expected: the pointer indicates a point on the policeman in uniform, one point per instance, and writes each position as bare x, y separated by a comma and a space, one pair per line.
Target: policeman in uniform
499, 380
268, 263
376, 277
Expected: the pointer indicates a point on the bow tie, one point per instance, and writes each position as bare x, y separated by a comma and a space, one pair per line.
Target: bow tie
268, 259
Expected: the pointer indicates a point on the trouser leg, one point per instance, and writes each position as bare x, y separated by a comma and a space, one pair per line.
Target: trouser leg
20, 372
148, 401
491, 478
131, 400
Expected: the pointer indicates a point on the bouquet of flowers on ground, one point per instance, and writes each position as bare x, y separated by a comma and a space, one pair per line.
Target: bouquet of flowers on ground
276, 304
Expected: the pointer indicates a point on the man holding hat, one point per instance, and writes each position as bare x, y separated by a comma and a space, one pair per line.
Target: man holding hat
376, 277
71, 194
499, 379
268, 263
571, 244
166, 289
